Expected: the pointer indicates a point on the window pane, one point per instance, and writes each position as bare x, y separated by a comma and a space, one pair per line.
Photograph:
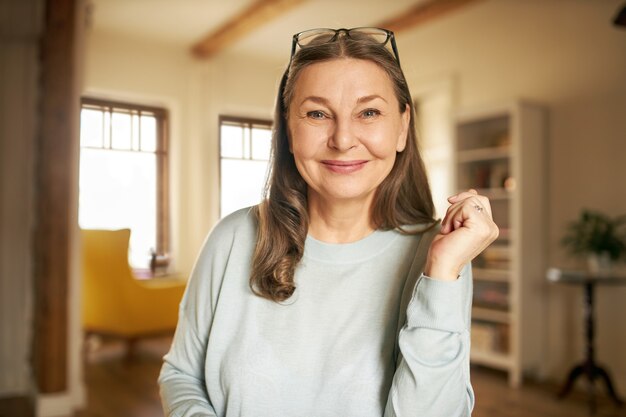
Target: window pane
135, 131
242, 183
148, 134
118, 190
91, 127
121, 134
261, 143
231, 144
246, 143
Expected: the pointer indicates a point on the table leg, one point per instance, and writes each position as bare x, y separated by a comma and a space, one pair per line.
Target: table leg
571, 378
589, 368
604, 375
590, 365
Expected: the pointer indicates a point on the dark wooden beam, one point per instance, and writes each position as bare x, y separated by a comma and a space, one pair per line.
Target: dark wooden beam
257, 14
422, 13
56, 170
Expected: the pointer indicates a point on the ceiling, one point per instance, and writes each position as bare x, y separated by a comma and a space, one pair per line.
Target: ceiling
186, 22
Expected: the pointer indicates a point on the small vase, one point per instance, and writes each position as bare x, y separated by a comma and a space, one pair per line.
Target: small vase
599, 263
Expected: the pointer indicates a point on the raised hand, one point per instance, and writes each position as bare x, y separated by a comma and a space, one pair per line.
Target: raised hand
466, 230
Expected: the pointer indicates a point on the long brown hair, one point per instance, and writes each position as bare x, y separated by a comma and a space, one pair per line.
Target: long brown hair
403, 198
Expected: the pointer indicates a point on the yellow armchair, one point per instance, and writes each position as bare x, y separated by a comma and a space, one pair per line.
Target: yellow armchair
114, 302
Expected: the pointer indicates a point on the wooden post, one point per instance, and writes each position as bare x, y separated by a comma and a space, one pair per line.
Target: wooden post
56, 167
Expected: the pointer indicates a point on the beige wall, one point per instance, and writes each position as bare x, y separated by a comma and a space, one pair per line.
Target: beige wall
564, 54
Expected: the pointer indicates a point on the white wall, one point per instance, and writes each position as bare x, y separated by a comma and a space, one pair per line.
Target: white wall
567, 55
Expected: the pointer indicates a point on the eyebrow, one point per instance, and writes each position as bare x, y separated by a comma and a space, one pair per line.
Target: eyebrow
369, 98
322, 100
315, 99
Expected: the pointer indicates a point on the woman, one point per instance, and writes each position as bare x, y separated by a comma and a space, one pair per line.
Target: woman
338, 295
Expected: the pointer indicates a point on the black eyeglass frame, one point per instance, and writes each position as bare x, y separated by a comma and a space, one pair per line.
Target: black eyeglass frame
390, 36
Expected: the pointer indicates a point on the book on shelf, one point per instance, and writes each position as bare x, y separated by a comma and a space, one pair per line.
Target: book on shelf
490, 337
496, 256
483, 336
490, 294
488, 175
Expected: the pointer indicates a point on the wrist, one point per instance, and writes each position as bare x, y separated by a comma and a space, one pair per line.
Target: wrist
441, 272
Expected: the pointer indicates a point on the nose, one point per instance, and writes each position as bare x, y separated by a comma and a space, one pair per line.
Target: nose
343, 137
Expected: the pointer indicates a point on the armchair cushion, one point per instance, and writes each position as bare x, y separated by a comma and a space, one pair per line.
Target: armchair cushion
113, 300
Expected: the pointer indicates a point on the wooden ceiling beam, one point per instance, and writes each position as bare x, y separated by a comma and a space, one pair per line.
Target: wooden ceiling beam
257, 14
423, 12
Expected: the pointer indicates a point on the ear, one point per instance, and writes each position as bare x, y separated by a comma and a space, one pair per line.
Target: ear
405, 120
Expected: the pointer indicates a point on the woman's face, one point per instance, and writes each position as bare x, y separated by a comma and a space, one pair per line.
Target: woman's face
345, 128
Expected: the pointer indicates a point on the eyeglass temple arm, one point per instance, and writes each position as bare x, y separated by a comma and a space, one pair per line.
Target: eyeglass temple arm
294, 43
395, 49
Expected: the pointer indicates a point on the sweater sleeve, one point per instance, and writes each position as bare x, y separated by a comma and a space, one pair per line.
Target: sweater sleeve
182, 380
432, 377
182, 385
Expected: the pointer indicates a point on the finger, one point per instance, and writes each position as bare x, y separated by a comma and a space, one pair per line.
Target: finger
446, 223
478, 217
485, 203
463, 195
461, 211
480, 200
452, 220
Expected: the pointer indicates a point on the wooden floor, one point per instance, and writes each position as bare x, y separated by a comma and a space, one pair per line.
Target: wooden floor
128, 389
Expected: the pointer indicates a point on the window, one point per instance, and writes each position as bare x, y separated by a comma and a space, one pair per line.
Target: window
244, 161
123, 175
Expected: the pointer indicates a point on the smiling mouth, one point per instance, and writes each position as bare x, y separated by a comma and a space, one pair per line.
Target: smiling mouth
344, 167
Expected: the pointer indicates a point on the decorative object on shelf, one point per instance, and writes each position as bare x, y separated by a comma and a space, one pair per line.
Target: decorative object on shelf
158, 263
599, 237
503, 140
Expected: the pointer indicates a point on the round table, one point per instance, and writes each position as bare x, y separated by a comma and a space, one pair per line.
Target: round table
588, 368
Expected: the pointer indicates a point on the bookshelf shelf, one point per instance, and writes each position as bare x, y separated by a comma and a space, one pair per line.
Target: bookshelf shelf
491, 315
491, 359
491, 274
500, 152
483, 154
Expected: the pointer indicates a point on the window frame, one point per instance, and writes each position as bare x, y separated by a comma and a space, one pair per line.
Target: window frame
247, 122
162, 163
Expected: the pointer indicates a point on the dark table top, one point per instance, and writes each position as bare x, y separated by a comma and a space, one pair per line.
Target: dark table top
570, 276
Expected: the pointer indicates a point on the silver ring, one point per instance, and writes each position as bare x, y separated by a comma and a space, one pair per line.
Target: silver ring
478, 208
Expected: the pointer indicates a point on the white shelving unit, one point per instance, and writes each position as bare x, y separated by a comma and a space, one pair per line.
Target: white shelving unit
500, 151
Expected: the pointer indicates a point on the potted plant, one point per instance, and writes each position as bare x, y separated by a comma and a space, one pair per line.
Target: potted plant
599, 237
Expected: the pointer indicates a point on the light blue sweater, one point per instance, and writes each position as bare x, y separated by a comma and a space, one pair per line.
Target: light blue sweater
365, 334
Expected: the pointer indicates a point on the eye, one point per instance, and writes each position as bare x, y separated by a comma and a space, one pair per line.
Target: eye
316, 114
370, 113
